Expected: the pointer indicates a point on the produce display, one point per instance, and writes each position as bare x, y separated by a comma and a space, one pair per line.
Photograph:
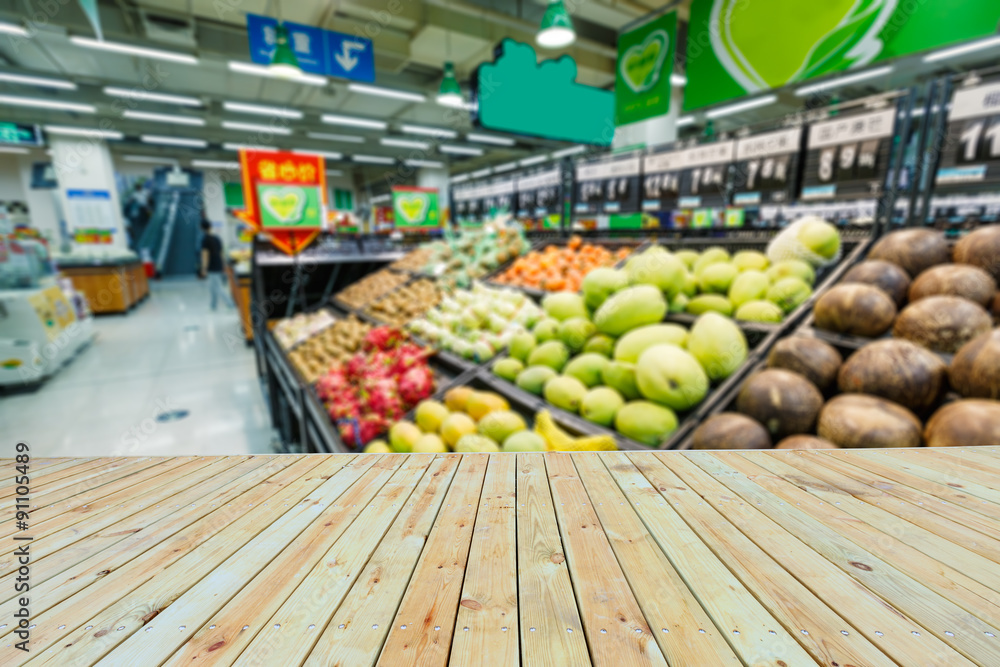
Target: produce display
376, 386
415, 260
560, 268
477, 323
460, 259
336, 343
291, 331
406, 303
371, 287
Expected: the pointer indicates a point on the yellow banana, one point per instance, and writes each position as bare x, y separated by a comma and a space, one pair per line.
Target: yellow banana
560, 441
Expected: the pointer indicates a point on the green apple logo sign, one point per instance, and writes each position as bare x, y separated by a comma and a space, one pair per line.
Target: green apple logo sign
413, 208
768, 43
641, 65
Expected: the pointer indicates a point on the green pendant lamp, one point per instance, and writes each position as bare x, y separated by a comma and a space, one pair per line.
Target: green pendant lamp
284, 63
450, 93
557, 27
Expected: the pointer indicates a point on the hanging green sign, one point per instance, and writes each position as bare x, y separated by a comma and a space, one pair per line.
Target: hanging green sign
645, 61
739, 47
284, 206
415, 209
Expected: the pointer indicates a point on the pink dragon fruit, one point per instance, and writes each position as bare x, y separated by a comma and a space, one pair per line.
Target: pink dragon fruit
382, 338
372, 426
383, 399
407, 356
333, 383
416, 384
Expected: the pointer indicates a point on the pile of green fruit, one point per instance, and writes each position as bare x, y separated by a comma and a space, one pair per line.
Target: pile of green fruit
462, 258
607, 356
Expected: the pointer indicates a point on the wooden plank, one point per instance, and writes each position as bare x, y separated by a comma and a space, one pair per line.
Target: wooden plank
260, 582
65, 491
488, 606
707, 505
349, 639
965, 462
957, 533
935, 472
616, 631
48, 483
682, 629
547, 605
941, 459
255, 534
812, 523
430, 604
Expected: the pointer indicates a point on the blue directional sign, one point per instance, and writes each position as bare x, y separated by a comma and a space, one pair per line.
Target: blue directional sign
318, 51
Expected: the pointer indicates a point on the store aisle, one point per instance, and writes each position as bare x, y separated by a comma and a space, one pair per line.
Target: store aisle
170, 354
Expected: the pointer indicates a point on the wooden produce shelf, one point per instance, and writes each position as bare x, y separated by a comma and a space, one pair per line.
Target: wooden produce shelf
112, 288
239, 284
864, 557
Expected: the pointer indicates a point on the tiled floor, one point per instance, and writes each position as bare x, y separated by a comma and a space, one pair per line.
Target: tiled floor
170, 353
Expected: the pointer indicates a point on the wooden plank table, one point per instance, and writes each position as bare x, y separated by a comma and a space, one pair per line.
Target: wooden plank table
777, 558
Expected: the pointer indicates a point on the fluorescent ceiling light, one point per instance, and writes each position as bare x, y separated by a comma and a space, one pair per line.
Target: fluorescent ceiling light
572, 150
460, 150
215, 164
504, 167
332, 155
262, 110
380, 198
961, 49
678, 80
386, 92
841, 81
404, 143
481, 173
490, 139
337, 119
423, 163
130, 50
47, 104
373, 159
11, 29
163, 117
13, 149
146, 96
343, 138
253, 127
461, 178
263, 70
230, 146
83, 132
37, 81
149, 159
534, 159
439, 132
742, 106
334, 172
684, 120
173, 141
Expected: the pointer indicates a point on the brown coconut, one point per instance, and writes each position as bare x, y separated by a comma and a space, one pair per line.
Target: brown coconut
815, 360
859, 310
965, 424
898, 370
805, 442
913, 250
730, 430
942, 323
886, 276
975, 370
963, 280
860, 420
784, 402
981, 248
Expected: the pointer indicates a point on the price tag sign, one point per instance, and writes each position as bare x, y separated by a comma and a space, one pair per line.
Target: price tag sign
767, 167
539, 194
704, 174
970, 157
847, 156
609, 186
498, 197
661, 180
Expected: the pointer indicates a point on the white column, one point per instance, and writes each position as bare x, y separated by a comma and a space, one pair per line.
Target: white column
85, 164
652, 131
429, 177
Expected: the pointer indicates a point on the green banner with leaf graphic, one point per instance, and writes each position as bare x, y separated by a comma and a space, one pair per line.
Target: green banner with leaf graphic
290, 206
416, 209
645, 61
740, 47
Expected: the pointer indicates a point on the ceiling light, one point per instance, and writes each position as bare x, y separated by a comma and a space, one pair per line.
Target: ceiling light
557, 27
573, 150
262, 110
961, 49
373, 159
146, 96
11, 29
450, 93
129, 49
215, 164
284, 64
163, 117
337, 119
83, 132
264, 70
504, 167
253, 127
678, 80
438, 132
47, 104
331, 155
460, 150
150, 159
380, 198
742, 106
173, 141
461, 178
13, 149
490, 139
343, 138
36, 81
230, 146
423, 163
684, 120
386, 92
841, 81
534, 159
404, 143
334, 172
481, 173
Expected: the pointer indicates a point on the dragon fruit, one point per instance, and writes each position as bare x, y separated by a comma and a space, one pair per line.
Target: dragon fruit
382, 338
416, 384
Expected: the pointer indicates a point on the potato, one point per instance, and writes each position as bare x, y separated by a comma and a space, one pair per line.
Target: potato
964, 424
860, 420
975, 370
981, 248
730, 430
888, 277
969, 282
942, 323
784, 402
913, 250
812, 358
859, 310
898, 370
805, 442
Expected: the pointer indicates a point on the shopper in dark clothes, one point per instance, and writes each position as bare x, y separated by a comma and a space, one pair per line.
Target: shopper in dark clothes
211, 265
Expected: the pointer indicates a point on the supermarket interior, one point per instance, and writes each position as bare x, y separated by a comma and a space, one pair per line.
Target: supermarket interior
489, 226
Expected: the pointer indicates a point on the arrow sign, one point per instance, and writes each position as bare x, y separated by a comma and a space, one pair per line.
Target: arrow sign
318, 51
346, 60
350, 57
